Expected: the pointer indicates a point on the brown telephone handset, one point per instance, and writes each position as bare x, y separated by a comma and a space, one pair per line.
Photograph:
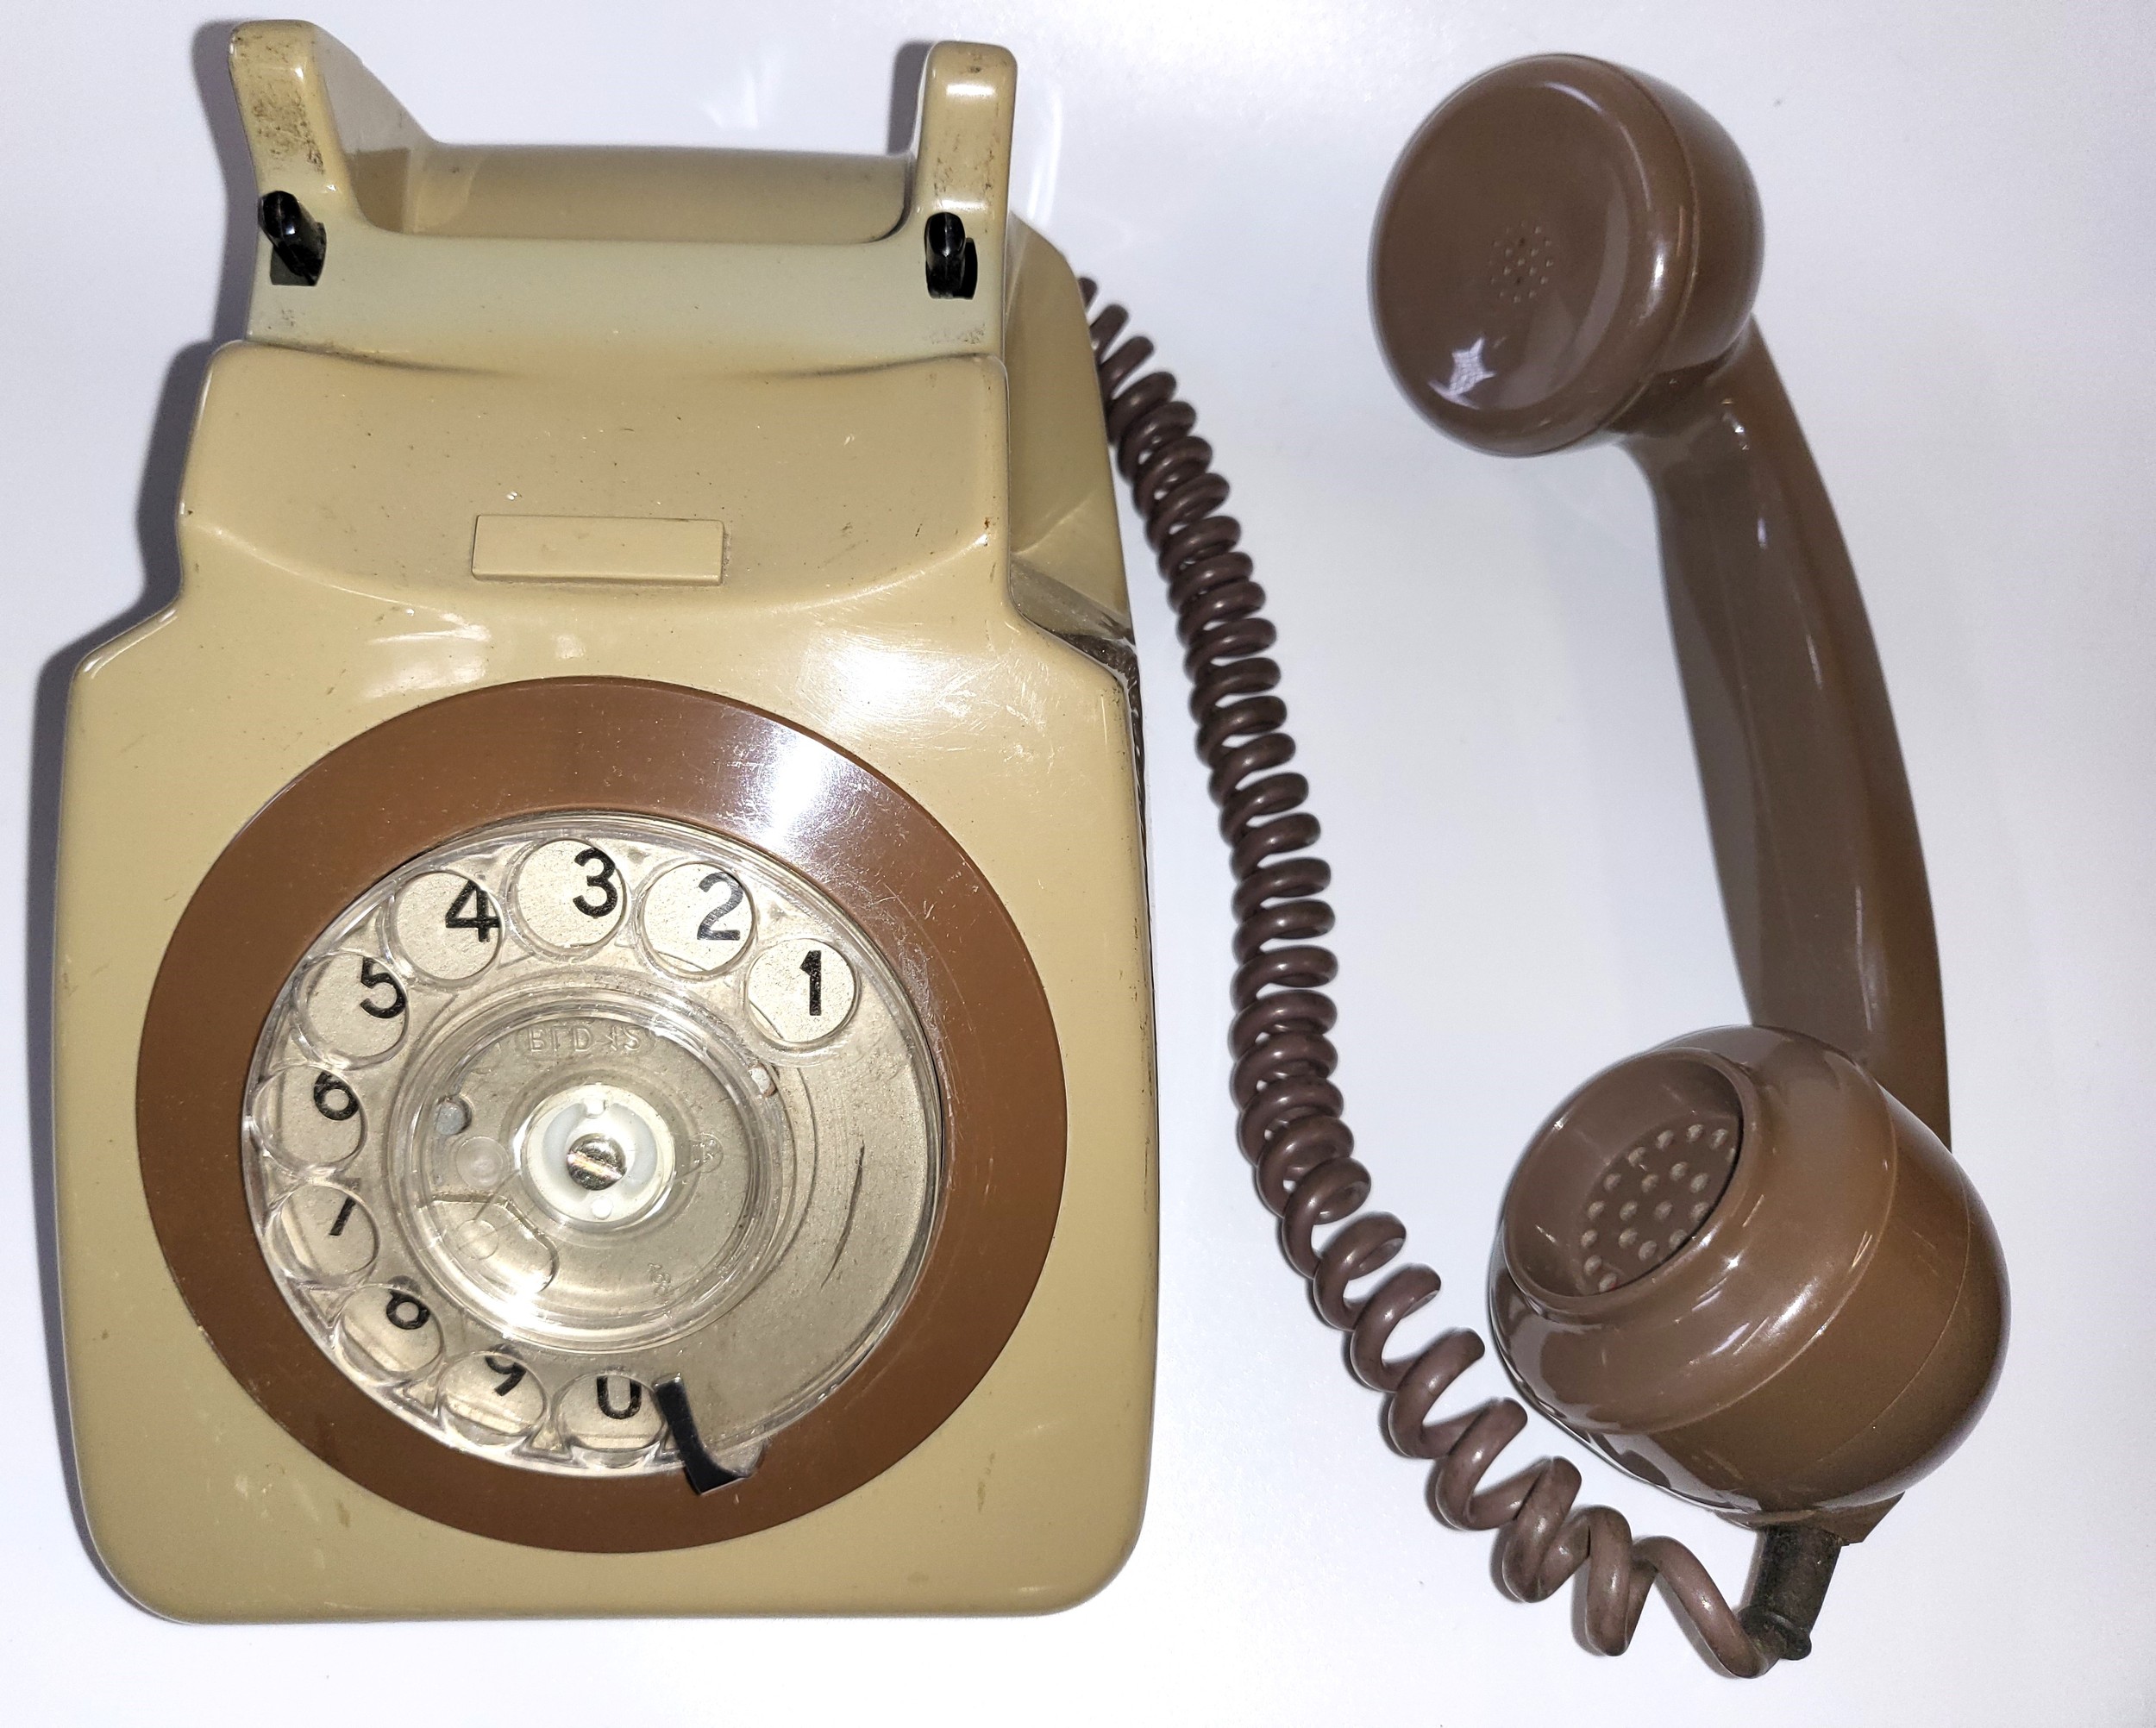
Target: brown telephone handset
651, 1046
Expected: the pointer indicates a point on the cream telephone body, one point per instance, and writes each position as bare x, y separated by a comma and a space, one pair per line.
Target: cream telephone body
630, 1089
764, 922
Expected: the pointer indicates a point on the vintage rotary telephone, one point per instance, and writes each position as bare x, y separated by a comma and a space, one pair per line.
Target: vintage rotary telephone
640, 1099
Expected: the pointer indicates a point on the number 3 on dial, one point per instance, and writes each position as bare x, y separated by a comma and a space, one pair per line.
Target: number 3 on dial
568, 894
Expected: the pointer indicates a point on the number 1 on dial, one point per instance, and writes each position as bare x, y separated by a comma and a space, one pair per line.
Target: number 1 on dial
801, 992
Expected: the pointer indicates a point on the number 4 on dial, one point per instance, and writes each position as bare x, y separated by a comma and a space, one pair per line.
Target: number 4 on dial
472, 910
447, 925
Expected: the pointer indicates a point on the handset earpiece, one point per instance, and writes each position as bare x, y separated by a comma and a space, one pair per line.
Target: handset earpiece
1561, 242
1743, 1266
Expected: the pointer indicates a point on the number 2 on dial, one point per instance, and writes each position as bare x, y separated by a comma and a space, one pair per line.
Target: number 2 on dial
698, 917
710, 929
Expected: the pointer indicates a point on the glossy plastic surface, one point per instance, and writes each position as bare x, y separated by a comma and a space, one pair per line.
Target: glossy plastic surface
1897, 150
900, 486
562, 241
1815, 841
1570, 250
1829, 1331
1560, 234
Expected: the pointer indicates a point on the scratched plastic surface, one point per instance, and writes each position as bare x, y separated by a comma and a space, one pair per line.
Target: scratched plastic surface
568, 1109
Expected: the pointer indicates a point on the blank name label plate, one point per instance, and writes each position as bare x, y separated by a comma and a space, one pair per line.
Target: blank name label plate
597, 548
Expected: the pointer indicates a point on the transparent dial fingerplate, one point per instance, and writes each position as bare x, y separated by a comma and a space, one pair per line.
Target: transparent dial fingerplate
575, 1105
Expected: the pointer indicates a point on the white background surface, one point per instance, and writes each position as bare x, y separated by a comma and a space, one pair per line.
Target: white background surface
1961, 245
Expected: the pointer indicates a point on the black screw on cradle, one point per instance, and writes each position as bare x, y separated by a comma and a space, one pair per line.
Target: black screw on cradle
297, 242
953, 267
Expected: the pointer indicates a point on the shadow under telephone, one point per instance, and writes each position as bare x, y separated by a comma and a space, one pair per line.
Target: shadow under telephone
645, 1062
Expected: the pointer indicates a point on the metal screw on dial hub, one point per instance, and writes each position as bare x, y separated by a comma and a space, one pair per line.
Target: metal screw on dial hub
596, 1162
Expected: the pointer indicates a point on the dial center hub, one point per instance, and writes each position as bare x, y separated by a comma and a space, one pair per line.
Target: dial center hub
597, 1154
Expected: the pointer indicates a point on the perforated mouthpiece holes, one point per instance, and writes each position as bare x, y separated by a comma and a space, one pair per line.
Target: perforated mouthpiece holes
1648, 1203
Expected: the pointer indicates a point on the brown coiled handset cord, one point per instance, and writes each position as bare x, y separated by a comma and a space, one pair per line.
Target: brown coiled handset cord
1290, 1118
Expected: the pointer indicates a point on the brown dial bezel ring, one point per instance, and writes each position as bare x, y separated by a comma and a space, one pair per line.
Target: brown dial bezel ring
514, 750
